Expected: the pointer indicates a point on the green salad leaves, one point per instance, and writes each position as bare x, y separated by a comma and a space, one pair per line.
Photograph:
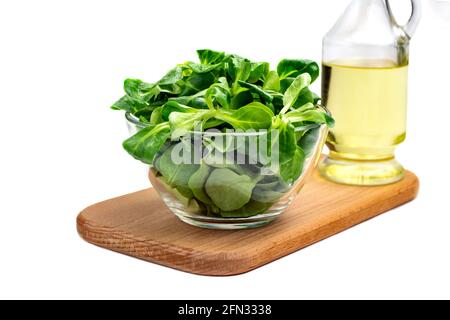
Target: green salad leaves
222, 92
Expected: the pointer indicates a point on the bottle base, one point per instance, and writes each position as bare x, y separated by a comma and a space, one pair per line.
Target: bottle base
361, 173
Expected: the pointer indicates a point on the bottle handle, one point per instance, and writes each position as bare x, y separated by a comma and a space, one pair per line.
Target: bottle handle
416, 12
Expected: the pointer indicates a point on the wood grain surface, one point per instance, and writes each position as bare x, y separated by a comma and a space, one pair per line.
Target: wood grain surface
140, 225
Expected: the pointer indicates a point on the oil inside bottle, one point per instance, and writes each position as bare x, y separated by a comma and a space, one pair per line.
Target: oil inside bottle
368, 100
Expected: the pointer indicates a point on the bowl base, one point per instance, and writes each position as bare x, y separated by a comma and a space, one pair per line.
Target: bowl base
226, 225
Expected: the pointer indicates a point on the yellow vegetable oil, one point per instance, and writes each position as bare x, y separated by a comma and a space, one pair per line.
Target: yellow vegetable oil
368, 100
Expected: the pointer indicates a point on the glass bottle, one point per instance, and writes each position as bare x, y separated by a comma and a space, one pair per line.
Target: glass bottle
364, 85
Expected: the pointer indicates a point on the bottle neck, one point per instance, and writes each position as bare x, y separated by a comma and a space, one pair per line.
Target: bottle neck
366, 31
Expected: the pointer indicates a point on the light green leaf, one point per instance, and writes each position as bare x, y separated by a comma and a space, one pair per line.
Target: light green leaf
294, 90
197, 183
253, 116
272, 81
176, 175
228, 190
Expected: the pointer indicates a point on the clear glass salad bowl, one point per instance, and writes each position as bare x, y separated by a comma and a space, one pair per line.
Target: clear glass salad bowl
229, 180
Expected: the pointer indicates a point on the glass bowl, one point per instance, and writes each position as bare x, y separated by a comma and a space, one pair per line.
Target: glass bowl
228, 180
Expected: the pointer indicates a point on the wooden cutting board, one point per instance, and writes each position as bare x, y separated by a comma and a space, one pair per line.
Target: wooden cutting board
140, 225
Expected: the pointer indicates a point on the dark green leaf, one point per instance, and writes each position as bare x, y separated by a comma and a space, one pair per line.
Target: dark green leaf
207, 56
293, 68
266, 195
266, 97
306, 96
173, 106
292, 168
130, 104
198, 103
144, 120
197, 183
218, 95
171, 89
195, 101
238, 69
287, 145
172, 77
138, 89
145, 144
198, 82
156, 116
258, 71
240, 99
202, 68
176, 175
308, 141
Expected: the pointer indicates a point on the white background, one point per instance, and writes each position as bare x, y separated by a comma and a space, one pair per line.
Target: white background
62, 64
